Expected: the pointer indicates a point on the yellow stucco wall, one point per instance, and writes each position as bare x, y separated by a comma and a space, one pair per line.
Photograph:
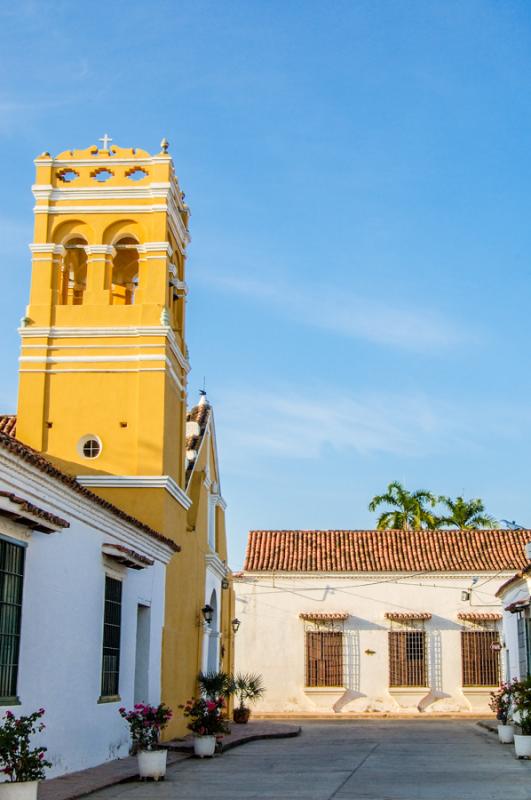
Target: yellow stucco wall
118, 371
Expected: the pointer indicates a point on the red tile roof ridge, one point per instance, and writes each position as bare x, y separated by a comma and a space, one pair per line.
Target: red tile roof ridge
39, 461
442, 550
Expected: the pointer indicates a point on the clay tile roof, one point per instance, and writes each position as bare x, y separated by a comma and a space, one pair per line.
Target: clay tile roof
479, 616
386, 551
31, 456
25, 507
8, 424
321, 615
513, 579
405, 616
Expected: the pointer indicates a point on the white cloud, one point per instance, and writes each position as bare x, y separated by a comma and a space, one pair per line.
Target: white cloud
343, 313
288, 424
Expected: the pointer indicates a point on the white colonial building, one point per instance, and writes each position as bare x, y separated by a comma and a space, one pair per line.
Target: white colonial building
515, 596
375, 621
81, 608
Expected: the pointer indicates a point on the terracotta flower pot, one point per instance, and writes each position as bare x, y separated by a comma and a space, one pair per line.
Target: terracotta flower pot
241, 715
152, 763
19, 790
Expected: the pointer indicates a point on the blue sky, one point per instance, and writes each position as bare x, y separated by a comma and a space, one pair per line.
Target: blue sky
359, 175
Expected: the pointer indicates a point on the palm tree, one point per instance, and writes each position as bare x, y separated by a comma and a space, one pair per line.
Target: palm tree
409, 510
465, 514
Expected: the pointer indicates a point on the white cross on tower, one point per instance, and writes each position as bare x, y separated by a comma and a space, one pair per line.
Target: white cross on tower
105, 139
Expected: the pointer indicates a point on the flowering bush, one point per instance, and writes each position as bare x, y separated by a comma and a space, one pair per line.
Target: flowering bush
18, 760
502, 699
206, 716
146, 723
522, 704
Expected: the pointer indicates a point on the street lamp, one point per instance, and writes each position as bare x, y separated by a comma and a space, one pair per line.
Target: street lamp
235, 625
208, 614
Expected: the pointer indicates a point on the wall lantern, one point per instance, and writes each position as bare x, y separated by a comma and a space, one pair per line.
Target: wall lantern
224, 583
465, 595
208, 614
235, 625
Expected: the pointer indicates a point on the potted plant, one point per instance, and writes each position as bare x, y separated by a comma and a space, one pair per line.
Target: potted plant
248, 688
215, 684
501, 702
145, 724
23, 765
522, 717
207, 723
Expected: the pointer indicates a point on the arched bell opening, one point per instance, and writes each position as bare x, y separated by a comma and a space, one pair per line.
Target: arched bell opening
74, 272
125, 272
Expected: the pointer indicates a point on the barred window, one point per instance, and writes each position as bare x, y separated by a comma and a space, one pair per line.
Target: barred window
112, 623
12, 557
480, 661
324, 658
407, 658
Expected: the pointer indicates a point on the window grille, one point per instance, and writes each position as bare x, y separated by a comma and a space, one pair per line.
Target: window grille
480, 661
12, 558
324, 658
407, 658
112, 622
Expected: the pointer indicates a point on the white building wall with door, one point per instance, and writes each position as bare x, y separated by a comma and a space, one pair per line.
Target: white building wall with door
272, 638
62, 624
515, 599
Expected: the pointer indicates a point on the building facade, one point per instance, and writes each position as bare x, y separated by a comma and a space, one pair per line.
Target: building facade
515, 598
374, 621
103, 378
81, 608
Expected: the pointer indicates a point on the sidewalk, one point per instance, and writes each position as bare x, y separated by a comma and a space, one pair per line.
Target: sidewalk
80, 784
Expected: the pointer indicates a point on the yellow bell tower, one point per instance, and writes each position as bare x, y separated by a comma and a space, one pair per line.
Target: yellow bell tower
103, 365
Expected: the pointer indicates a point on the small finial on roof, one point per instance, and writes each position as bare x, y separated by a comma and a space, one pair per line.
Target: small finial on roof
202, 398
164, 145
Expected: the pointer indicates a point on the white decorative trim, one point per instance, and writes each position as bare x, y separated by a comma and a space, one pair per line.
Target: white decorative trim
116, 332
57, 249
91, 359
216, 565
168, 371
138, 481
217, 500
64, 501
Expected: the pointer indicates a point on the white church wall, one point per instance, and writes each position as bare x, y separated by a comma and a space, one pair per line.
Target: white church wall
62, 624
271, 639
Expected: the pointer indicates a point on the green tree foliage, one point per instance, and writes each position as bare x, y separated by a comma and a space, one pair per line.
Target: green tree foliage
464, 514
408, 510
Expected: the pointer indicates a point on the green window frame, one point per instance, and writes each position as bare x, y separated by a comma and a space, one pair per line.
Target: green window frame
112, 630
12, 563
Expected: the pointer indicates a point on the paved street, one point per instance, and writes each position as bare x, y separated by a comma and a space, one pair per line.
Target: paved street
369, 760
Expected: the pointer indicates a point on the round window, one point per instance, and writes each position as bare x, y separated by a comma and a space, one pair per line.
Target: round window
89, 446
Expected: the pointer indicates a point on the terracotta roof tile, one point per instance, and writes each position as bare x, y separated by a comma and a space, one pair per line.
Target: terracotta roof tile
513, 579
37, 460
405, 616
8, 424
199, 414
479, 616
386, 551
323, 615
25, 507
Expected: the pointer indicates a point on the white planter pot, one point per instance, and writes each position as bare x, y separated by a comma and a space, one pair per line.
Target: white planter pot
522, 746
23, 790
152, 763
506, 734
204, 746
